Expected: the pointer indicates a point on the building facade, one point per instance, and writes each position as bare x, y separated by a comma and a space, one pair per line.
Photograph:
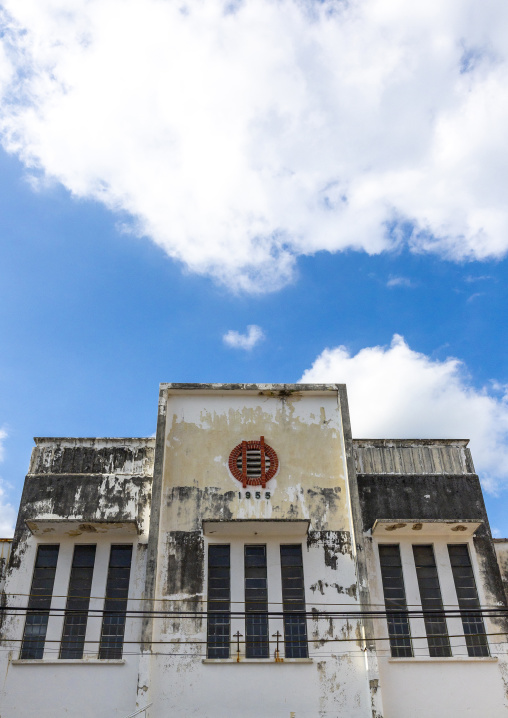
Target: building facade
253, 558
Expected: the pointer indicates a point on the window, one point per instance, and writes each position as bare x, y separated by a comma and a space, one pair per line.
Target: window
256, 603
256, 634
293, 602
469, 604
78, 599
219, 598
39, 602
432, 602
395, 601
115, 604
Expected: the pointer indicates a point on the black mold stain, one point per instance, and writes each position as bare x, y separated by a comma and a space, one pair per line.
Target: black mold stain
3, 614
90, 498
321, 585
185, 551
211, 503
91, 459
333, 543
322, 501
436, 497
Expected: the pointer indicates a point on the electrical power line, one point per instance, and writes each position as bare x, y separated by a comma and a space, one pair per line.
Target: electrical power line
204, 600
274, 642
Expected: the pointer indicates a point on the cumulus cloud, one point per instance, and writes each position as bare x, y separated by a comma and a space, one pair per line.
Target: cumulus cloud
396, 392
247, 341
7, 511
238, 136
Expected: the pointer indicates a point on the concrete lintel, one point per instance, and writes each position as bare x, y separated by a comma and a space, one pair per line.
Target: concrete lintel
419, 528
48, 528
256, 527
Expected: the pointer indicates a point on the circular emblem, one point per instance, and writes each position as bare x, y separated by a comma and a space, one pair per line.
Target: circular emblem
253, 463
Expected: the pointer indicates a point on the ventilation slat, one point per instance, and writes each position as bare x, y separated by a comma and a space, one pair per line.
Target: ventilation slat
253, 469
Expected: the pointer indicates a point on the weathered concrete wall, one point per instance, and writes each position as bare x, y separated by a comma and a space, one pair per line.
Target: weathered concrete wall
130, 456
422, 685
78, 491
501, 548
435, 497
64, 483
5, 550
305, 430
413, 456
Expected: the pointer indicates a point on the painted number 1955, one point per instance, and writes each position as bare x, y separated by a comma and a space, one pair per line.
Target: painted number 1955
254, 494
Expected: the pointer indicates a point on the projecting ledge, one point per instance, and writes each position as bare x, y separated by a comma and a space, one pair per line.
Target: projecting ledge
256, 527
49, 528
449, 659
68, 662
256, 661
458, 528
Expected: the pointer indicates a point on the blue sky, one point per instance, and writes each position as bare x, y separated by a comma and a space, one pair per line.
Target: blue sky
348, 205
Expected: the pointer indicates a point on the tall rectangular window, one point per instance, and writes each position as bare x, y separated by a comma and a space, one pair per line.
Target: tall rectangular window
219, 601
432, 602
256, 603
115, 603
78, 599
293, 602
395, 601
469, 603
39, 602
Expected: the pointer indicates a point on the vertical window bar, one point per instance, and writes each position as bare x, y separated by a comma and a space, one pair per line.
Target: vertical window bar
256, 603
293, 602
115, 603
39, 602
219, 601
432, 602
395, 601
78, 599
467, 595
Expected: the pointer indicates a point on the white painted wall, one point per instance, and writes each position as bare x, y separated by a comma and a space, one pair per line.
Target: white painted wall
438, 687
201, 430
306, 432
53, 687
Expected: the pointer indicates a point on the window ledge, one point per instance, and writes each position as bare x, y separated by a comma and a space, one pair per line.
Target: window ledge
451, 659
255, 661
67, 661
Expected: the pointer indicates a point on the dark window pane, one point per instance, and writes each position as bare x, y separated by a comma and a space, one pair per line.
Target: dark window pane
395, 601
256, 603
467, 596
219, 599
430, 594
78, 599
115, 604
39, 602
293, 600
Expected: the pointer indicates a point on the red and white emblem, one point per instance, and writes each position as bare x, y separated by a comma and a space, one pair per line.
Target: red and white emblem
253, 463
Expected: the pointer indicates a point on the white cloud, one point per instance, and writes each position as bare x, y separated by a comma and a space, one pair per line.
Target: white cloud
7, 515
239, 136
3, 436
399, 282
7, 510
395, 392
245, 341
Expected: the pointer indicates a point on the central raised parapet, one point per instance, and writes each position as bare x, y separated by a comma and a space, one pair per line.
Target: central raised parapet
253, 542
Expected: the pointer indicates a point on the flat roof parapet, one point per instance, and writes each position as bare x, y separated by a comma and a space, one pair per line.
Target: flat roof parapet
280, 390
413, 456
